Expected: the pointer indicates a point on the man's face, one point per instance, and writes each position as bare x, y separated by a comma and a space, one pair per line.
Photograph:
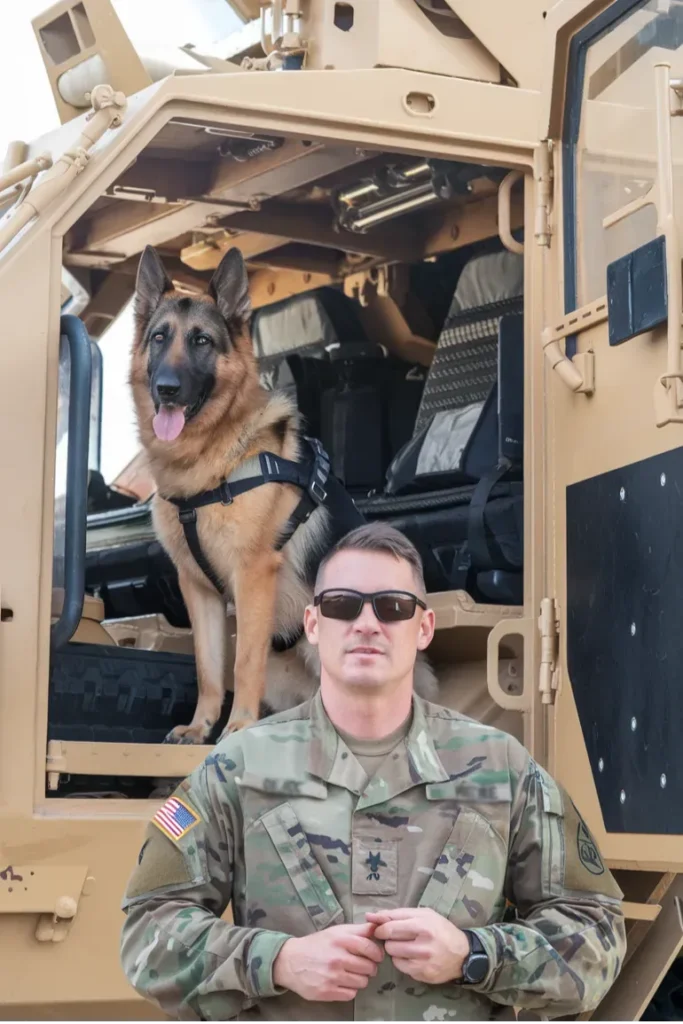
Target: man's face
366, 652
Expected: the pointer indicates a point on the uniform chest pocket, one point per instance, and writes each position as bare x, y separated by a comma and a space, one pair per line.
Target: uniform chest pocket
302, 868
466, 884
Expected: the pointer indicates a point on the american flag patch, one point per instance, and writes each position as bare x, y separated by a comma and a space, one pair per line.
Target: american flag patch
175, 818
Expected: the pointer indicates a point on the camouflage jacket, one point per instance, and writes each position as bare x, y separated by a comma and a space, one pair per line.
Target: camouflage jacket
278, 822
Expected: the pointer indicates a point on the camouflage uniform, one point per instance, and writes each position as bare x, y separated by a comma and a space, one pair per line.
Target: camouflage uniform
281, 821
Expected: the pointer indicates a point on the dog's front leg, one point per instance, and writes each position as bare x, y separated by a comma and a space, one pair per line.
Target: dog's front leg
255, 593
206, 610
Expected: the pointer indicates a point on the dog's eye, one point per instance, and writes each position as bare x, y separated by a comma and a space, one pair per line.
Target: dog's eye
202, 339
158, 337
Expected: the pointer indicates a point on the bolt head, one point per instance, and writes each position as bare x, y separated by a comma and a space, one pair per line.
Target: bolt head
622, 797
634, 724
662, 479
662, 780
601, 765
622, 494
633, 629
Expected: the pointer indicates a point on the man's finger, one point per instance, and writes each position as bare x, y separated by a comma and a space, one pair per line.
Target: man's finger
367, 929
361, 946
401, 914
407, 950
409, 967
359, 965
352, 978
401, 931
339, 995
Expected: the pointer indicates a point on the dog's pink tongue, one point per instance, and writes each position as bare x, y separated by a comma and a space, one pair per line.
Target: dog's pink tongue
168, 423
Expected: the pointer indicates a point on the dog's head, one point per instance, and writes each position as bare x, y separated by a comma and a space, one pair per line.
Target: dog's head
192, 355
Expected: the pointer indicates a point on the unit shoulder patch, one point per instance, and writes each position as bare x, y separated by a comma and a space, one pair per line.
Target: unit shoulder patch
588, 851
584, 868
160, 865
175, 818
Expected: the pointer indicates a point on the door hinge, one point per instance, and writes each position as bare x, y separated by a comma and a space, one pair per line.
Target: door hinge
549, 628
543, 175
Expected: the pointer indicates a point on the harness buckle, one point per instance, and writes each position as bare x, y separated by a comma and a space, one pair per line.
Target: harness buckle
224, 491
318, 492
187, 515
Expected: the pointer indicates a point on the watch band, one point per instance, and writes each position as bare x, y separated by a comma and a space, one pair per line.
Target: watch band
476, 964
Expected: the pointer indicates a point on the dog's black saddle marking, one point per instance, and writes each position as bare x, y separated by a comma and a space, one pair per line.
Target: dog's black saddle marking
310, 475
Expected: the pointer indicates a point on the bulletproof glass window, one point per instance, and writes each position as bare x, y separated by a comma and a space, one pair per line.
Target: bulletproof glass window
610, 138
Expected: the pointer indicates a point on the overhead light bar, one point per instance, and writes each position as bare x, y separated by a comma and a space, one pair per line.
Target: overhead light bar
395, 190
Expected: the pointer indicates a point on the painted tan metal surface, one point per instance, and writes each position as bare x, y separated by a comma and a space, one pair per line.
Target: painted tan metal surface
492, 94
74, 31
393, 35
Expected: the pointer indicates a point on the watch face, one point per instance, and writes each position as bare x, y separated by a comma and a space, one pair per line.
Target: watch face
476, 967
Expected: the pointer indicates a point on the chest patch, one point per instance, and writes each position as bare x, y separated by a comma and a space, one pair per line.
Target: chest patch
374, 867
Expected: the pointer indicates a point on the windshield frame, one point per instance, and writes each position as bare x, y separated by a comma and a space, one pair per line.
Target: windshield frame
576, 71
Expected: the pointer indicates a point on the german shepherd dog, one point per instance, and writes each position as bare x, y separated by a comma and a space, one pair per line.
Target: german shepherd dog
201, 413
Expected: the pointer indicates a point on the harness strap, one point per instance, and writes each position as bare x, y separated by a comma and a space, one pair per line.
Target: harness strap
310, 475
189, 521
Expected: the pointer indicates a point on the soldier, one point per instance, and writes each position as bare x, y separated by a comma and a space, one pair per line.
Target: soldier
384, 858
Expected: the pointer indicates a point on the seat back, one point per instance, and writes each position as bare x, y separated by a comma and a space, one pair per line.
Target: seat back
476, 374
313, 322
465, 363
292, 342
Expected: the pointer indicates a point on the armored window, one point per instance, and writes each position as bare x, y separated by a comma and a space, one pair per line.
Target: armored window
610, 138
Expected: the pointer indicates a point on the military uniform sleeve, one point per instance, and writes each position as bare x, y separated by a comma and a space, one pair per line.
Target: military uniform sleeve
175, 949
565, 947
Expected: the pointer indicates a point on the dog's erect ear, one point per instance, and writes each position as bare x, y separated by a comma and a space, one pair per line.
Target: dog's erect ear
229, 287
152, 281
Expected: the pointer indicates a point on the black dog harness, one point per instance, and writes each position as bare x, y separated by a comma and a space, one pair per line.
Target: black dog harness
311, 476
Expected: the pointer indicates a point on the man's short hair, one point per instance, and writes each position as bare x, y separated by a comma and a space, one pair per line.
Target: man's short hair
377, 537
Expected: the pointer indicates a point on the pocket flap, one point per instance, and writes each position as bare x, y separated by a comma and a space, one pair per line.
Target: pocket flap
466, 883
552, 797
287, 787
467, 792
305, 874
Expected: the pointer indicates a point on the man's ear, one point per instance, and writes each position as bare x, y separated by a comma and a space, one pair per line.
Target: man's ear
427, 626
229, 288
151, 283
311, 624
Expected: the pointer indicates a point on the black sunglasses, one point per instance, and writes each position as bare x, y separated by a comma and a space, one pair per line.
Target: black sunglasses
388, 605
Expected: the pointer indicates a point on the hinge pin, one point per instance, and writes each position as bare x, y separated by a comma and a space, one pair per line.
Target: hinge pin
549, 629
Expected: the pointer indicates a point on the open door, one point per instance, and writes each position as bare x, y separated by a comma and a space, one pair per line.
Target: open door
614, 414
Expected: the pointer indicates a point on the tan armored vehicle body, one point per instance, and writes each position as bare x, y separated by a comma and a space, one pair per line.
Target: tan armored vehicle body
461, 225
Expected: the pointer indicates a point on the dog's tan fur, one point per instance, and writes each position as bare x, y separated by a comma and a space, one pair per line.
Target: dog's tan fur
268, 587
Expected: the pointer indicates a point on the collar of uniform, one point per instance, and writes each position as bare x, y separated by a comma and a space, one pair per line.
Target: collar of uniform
330, 758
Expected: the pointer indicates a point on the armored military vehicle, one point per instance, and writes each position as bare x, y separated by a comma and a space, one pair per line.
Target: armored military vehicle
463, 243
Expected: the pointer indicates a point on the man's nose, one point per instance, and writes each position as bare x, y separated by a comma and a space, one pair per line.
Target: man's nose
167, 382
367, 620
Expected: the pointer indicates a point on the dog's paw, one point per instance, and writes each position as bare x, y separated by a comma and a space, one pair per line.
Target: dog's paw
187, 734
238, 723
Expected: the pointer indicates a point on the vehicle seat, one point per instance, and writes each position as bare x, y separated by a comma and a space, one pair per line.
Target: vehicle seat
455, 488
353, 394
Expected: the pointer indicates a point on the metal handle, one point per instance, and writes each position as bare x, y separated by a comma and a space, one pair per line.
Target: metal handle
504, 212
80, 378
508, 627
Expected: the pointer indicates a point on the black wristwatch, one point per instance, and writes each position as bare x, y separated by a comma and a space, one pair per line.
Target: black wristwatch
476, 964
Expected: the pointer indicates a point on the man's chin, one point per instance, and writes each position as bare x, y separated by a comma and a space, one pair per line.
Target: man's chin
365, 677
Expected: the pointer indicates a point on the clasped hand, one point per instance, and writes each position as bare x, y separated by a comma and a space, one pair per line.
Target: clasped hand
421, 943
336, 963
